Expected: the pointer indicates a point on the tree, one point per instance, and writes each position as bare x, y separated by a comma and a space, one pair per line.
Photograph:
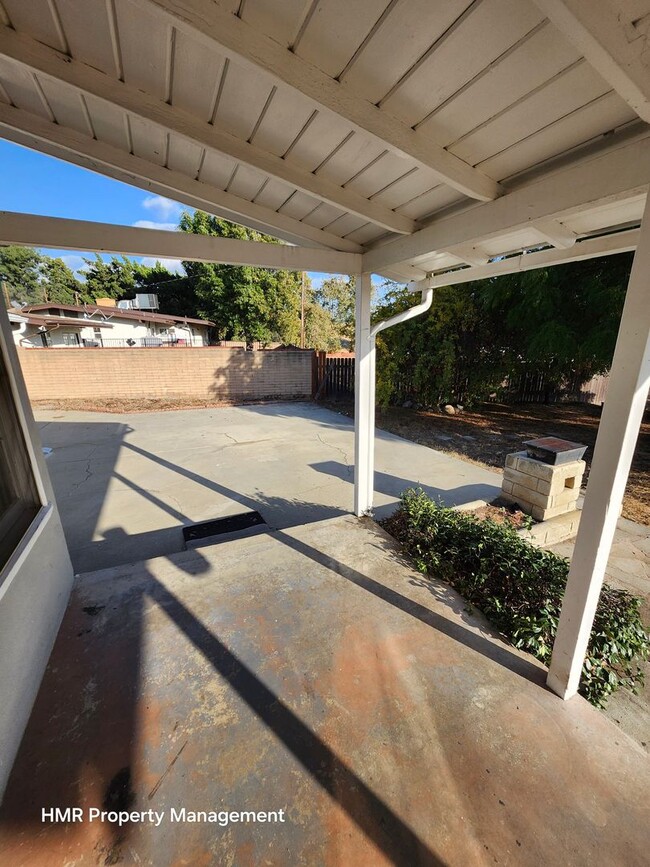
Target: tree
20, 267
112, 279
337, 296
450, 354
247, 303
561, 322
60, 284
33, 278
321, 331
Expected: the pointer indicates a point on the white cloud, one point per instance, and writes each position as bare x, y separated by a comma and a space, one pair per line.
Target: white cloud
173, 265
74, 263
163, 208
152, 224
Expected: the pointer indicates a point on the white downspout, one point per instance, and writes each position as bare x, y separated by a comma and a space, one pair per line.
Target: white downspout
411, 313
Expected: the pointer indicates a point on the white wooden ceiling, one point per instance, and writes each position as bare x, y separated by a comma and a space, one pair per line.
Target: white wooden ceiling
154, 98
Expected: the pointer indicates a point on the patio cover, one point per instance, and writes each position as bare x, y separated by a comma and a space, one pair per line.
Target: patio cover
430, 142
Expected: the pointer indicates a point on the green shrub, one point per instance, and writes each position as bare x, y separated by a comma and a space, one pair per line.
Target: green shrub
519, 588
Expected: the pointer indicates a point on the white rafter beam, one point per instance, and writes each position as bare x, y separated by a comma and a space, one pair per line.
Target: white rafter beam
43, 60
613, 47
555, 233
244, 44
67, 144
616, 175
33, 230
590, 248
470, 254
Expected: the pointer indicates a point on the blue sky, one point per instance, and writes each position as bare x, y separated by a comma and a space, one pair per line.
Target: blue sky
38, 184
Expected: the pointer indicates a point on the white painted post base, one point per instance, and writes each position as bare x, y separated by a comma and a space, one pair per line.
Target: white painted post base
364, 400
617, 435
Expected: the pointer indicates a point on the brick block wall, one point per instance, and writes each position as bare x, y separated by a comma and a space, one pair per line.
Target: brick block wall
207, 373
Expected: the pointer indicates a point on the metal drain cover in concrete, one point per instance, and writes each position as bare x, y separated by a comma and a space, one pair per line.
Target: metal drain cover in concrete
223, 529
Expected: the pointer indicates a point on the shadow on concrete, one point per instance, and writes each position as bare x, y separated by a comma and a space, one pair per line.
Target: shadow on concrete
471, 639
91, 692
394, 486
83, 744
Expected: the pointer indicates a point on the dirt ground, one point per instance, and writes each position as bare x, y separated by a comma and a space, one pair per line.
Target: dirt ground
140, 404
484, 435
488, 433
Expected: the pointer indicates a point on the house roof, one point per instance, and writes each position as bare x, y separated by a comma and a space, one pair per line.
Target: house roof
117, 313
25, 315
16, 317
429, 136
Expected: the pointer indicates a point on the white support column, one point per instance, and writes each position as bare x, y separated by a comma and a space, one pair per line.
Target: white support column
617, 435
364, 399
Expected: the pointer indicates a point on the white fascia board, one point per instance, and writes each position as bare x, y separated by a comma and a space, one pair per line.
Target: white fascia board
590, 248
32, 230
618, 174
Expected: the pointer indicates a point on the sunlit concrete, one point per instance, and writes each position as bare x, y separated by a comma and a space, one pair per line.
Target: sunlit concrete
126, 484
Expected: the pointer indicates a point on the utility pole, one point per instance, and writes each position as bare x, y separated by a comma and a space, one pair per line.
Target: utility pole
302, 313
5, 292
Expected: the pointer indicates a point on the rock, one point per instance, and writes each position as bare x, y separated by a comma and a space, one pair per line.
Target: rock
449, 409
407, 404
459, 408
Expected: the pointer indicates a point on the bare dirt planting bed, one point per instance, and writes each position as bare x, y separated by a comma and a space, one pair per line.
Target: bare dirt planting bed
489, 432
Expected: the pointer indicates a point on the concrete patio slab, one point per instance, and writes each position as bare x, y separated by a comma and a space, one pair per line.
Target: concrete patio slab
126, 484
311, 671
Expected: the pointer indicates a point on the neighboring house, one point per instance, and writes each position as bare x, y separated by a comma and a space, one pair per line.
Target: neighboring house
97, 325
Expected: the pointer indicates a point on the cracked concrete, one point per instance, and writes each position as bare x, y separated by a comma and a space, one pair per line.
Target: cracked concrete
126, 484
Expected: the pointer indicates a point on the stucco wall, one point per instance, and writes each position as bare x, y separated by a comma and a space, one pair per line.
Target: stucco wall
121, 329
208, 373
33, 594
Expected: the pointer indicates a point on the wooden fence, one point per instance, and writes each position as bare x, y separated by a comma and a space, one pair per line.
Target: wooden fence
333, 374
534, 388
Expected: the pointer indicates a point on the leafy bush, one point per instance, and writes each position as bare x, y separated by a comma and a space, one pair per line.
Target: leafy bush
519, 588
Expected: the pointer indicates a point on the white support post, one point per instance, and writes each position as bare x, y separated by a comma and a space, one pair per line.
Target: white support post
364, 399
617, 435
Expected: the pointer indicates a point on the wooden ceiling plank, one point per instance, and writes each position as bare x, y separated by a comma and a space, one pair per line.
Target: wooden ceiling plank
246, 45
610, 46
35, 132
147, 109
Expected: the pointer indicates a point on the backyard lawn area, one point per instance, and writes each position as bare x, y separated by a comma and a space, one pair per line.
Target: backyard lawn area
487, 433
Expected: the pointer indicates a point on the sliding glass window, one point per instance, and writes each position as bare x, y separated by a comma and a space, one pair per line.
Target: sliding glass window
19, 501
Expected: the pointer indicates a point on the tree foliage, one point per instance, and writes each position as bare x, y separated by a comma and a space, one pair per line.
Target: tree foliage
113, 279
336, 296
559, 321
245, 302
33, 278
253, 304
